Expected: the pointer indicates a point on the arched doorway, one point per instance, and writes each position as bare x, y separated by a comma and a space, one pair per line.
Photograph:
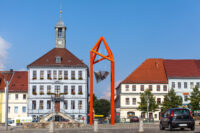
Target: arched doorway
130, 114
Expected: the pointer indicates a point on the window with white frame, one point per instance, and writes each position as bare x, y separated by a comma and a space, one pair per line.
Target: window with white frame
34, 91
191, 85
16, 96
165, 88
158, 100
73, 75
60, 75
48, 89
54, 74
34, 75
185, 85
173, 85
41, 90
41, 74
133, 87
65, 75
57, 89
158, 87
24, 96
41, 104
80, 75
72, 90
16, 109
80, 104
179, 85
65, 89
49, 75
72, 104
141, 87
127, 101
134, 101
198, 84
80, 90
65, 104
150, 87
34, 105
24, 109
48, 104
127, 87
58, 59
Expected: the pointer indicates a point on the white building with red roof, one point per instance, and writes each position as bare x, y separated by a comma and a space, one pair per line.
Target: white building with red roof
58, 82
149, 75
183, 76
18, 91
158, 75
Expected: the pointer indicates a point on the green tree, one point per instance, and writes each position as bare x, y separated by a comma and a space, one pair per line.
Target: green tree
153, 106
102, 107
171, 100
195, 99
94, 98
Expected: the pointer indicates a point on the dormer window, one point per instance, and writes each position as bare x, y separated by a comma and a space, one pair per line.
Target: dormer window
58, 59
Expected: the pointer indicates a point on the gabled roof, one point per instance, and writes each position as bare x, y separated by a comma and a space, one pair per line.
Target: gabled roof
18, 83
182, 68
49, 59
150, 71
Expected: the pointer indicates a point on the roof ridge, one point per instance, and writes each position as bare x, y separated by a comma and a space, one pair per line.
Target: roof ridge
67, 59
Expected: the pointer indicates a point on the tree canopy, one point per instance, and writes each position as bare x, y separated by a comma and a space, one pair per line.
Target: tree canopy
171, 100
102, 107
153, 106
194, 99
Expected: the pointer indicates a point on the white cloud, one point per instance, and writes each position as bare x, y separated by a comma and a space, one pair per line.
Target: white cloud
4, 45
106, 94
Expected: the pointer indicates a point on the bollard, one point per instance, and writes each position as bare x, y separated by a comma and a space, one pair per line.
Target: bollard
51, 127
95, 125
141, 126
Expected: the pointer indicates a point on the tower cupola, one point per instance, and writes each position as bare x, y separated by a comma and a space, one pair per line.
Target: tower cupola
60, 33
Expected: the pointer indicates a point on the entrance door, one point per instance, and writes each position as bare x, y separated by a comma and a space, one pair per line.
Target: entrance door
57, 106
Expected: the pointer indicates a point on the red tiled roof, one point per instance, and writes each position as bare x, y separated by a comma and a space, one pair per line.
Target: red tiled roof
182, 68
150, 71
67, 59
19, 82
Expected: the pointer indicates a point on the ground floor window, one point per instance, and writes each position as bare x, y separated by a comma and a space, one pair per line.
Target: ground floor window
142, 114
150, 115
24, 109
155, 115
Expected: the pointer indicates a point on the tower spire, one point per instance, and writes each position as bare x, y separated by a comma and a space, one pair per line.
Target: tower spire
60, 10
60, 31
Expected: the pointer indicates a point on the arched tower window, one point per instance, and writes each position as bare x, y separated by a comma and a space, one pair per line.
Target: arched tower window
60, 35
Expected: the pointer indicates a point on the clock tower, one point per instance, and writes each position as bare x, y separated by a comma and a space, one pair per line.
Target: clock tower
60, 33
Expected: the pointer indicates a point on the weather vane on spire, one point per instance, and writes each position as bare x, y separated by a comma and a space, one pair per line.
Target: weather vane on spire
60, 9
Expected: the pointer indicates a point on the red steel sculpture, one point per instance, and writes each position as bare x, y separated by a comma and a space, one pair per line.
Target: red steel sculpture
109, 57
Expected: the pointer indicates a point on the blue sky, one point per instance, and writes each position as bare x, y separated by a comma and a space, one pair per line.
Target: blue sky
134, 30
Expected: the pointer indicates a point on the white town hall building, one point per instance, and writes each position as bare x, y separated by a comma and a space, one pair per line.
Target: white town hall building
58, 82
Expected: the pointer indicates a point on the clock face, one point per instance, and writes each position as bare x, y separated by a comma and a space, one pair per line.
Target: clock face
59, 42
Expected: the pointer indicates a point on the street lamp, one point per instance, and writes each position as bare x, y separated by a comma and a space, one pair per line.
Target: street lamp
7, 82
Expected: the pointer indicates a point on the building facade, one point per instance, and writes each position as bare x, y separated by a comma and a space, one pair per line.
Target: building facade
149, 75
183, 76
17, 98
158, 75
58, 82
